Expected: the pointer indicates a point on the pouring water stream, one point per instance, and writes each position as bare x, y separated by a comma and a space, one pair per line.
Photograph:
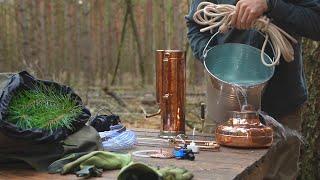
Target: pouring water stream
282, 131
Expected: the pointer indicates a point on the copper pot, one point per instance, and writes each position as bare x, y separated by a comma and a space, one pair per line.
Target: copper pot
243, 129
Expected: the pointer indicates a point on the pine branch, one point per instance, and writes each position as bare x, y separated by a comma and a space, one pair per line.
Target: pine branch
43, 107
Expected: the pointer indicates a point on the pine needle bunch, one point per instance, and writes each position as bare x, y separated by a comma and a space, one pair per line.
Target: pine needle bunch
44, 108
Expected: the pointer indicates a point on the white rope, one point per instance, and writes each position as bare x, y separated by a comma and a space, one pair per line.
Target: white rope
219, 16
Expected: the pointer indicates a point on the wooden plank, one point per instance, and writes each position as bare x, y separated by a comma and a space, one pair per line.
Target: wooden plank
225, 164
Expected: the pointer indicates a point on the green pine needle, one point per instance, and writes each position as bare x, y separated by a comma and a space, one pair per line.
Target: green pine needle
43, 107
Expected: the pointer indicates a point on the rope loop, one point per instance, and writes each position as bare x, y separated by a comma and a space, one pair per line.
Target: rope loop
219, 16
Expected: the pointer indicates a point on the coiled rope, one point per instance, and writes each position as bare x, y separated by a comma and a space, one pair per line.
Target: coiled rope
219, 16
118, 138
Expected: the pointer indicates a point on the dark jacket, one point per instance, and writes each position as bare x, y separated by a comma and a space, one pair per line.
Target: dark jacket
301, 18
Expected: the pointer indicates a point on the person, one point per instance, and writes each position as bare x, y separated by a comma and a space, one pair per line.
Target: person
286, 91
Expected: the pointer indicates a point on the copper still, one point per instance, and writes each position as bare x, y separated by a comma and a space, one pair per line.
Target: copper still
244, 129
170, 91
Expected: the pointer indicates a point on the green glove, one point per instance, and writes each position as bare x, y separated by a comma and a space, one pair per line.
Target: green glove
89, 171
56, 167
136, 171
100, 159
174, 173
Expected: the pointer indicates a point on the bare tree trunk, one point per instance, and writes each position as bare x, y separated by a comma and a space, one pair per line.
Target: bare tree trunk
59, 37
138, 42
24, 29
149, 53
67, 41
102, 48
162, 26
86, 45
170, 24
123, 33
73, 28
3, 36
18, 35
310, 153
48, 37
53, 40
94, 39
77, 43
106, 57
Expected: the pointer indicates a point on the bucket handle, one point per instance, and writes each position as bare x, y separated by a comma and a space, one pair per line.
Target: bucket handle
273, 62
205, 50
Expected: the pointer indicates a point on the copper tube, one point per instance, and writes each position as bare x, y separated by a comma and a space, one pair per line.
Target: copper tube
154, 114
203, 145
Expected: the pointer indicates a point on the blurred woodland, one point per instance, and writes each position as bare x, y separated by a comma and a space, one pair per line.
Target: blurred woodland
90, 42
105, 49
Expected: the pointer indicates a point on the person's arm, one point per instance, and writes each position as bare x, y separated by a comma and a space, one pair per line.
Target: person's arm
197, 39
301, 18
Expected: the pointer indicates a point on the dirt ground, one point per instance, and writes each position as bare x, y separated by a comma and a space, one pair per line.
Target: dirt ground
133, 104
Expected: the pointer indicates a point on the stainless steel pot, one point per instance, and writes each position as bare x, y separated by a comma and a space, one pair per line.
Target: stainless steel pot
236, 76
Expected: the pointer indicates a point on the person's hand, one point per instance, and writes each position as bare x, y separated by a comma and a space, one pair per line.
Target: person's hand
247, 11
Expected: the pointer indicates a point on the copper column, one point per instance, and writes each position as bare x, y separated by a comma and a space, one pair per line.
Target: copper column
171, 87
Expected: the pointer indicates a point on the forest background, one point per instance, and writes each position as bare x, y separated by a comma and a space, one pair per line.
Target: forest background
105, 49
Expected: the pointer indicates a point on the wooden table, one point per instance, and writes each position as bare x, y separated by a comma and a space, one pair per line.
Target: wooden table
228, 163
